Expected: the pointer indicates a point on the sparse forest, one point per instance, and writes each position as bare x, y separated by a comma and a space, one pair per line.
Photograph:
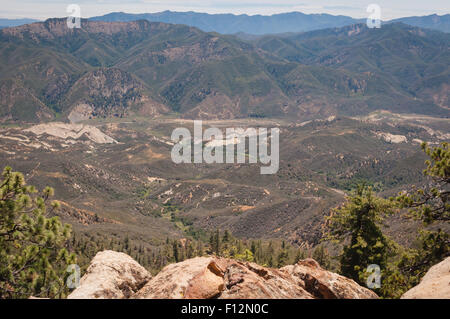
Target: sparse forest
36, 247
358, 223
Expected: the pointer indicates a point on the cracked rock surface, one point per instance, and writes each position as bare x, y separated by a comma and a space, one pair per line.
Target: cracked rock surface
116, 276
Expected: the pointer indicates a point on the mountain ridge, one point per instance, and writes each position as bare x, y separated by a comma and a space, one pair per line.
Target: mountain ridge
258, 24
177, 68
230, 23
295, 21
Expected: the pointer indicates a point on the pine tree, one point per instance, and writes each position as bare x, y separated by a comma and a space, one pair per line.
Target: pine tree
360, 219
247, 255
189, 250
175, 251
282, 258
270, 262
199, 250
300, 255
430, 205
253, 247
320, 254
216, 243
226, 236
33, 259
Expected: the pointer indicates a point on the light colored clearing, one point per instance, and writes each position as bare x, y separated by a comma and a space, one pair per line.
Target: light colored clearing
7, 152
155, 179
25, 141
236, 138
243, 208
346, 132
145, 156
71, 132
438, 134
340, 192
52, 174
170, 143
15, 138
391, 138
303, 123
379, 116
151, 155
80, 113
384, 114
328, 119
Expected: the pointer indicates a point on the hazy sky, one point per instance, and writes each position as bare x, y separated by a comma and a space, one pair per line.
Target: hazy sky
42, 9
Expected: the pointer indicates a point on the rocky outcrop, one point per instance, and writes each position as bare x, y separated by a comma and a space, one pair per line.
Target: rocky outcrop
110, 92
211, 277
111, 275
116, 276
71, 132
434, 285
324, 284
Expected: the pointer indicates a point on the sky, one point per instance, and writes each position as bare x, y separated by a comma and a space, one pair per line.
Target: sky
390, 9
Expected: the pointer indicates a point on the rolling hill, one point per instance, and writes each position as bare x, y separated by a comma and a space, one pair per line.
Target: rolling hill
254, 24
6, 23
434, 21
400, 60
116, 69
230, 23
273, 24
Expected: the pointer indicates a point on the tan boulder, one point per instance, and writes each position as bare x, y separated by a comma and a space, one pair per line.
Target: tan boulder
211, 277
251, 281
111, 275
206, 284
323, 284
434, 285
193, 278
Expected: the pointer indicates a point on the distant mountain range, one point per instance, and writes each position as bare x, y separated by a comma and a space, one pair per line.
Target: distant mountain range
254, 24
5, 23
108, 69
273, 24
434, 22
230, 23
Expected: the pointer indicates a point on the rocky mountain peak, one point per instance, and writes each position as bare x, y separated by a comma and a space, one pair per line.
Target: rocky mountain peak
57, 27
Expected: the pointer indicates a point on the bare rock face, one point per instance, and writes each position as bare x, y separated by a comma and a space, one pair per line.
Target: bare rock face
111, 275
434, 285
324, 284
211, 277
173, 281
251, 281
71, 132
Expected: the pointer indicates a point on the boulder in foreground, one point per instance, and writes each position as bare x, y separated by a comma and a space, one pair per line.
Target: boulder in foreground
323, 284
211, 277
434, 285
111, 275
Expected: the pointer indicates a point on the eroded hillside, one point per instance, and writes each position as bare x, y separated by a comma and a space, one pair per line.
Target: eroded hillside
121, 173
120, 69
